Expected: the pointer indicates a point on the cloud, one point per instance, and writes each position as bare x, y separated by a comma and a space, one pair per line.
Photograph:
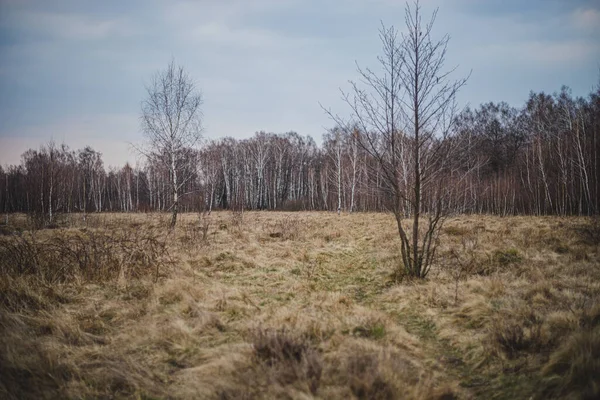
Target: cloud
225, 10
542, 54
73, 26
587, 20
217, 33
75, 71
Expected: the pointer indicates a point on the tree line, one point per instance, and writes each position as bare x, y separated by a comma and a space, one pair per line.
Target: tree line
542, 158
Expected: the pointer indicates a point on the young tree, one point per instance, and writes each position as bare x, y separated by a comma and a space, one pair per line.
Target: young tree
406, 113
210, 165
171, 122
92, 173
4, 198
352, 140
332, 142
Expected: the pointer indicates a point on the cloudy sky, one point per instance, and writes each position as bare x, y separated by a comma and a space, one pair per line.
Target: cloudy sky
75, 71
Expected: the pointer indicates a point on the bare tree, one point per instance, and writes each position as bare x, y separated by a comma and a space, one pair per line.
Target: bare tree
352, 150
406, 115
332, 141
6, 196
171, 122
430, 105
210, 168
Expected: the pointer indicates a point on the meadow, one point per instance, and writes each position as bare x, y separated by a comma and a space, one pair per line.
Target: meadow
299, 305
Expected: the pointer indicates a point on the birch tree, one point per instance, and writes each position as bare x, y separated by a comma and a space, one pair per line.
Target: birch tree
172, 123
406, 114
333, 146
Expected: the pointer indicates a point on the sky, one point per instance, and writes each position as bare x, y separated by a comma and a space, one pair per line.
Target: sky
76, 71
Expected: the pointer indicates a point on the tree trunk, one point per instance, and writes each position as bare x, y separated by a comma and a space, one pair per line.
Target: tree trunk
175, 194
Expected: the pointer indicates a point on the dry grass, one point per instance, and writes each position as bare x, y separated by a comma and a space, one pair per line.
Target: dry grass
299, 306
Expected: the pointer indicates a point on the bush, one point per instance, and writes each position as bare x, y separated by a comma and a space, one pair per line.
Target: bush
287, 228
507, 257
518, 333
288, 358
366, 379
92, 255
195, 234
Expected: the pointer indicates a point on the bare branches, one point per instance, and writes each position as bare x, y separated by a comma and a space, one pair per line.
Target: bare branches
171, 115
172, 123
406, 114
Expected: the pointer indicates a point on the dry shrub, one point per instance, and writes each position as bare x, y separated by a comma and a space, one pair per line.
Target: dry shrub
93, 255
288, 228
288, 358
18, 255
516, 331
366, 379
195, 234
514, 338
507, 257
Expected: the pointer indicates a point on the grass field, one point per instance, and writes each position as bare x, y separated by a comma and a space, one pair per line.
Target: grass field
298, 306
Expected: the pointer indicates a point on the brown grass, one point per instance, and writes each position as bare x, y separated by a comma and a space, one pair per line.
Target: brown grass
297, 305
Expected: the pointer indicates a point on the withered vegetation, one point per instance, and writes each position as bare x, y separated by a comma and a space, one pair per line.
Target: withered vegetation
297, 305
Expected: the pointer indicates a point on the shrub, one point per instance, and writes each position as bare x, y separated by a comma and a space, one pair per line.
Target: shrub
93, 255
287, 228
514, 334
288, 358
507, 257
367, 380
195, 234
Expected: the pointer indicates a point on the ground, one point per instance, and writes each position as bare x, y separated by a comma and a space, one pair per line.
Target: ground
297, 305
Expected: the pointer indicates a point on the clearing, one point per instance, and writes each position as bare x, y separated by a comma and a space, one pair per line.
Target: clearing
297, 305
